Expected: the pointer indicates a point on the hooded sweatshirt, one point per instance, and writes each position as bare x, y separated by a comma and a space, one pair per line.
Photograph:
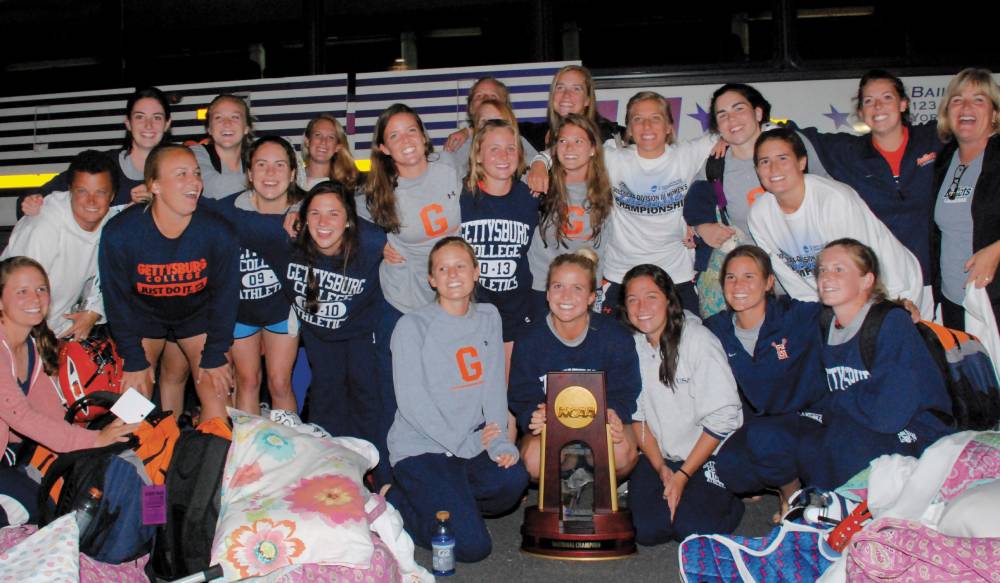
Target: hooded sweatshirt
69, 255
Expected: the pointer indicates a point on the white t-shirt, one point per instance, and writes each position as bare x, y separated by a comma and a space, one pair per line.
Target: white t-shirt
647, 223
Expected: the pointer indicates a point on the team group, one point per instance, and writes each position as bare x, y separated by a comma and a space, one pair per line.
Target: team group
433, 295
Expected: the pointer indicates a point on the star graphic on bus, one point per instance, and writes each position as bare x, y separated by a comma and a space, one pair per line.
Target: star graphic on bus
838, 118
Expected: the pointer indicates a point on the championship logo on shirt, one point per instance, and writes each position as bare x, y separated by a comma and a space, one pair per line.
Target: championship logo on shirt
179, 279
660, 199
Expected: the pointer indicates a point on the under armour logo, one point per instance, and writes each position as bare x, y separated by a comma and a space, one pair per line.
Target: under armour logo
781, 348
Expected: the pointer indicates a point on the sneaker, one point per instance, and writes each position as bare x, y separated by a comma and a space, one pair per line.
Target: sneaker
286, 418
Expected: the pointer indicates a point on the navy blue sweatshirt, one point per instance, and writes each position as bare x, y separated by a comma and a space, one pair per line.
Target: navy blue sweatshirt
905, 206
348, 296
261, 300
150, 279
499, 229
608, 347
900, 391
785, 373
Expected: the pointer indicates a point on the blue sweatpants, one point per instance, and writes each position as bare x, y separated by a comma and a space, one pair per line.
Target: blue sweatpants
16, 484
467, 488
759, 455
831, 453
342, 398
706, 505
387, 392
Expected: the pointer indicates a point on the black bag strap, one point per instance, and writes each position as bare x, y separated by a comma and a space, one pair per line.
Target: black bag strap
868, 334
98, 398
61, 468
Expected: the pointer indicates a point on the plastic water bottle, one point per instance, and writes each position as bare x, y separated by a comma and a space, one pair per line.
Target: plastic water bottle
86, 510
443, 546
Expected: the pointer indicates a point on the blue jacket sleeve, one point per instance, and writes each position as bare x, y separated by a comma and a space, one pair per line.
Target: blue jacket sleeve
525, 388
700, 203
113, 263
836, 150
904, 381
225, 294
623, 377
262, 233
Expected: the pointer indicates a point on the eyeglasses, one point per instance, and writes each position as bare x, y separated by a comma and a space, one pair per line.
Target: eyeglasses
953, 189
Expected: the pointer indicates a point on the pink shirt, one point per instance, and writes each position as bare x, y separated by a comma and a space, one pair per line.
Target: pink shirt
39, 415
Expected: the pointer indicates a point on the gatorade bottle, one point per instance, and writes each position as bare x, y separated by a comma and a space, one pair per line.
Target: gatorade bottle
86, 510
443, 546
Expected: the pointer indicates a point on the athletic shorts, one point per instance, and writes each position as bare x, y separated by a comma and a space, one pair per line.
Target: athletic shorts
246, 330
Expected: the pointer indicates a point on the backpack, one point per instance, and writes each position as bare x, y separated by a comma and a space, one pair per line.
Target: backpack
120, 471
964, 364
711, 300
194, 494
89, 366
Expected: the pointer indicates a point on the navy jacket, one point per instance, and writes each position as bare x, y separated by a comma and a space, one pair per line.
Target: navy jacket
785, 373
906, 207
608, 347
901, 391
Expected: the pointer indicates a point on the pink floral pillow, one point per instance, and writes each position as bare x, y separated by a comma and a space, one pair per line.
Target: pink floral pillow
291, 498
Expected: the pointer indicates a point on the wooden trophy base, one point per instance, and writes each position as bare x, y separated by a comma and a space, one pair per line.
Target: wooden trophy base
608, 536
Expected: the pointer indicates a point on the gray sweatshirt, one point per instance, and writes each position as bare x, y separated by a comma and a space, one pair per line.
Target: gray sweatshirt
429, 210
449, 380
578, 234
218, 184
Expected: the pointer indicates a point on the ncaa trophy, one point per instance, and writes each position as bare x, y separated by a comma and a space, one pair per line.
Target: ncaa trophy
577, 516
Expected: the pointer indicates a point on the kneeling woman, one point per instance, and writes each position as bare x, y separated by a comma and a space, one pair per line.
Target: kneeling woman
29, 402
688, 405
572, 338
448, 443
773, 345
893, 401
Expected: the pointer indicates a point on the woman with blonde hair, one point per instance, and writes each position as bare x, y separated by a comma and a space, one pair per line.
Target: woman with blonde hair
326, 154
896, 404
967, 182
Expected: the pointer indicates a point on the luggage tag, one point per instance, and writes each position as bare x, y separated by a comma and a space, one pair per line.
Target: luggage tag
132, 407
154, 505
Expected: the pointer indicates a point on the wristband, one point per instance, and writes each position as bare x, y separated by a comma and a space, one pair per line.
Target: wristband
681, 470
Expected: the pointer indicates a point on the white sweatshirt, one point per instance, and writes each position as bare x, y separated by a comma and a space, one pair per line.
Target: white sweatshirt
704, 397
68, 253
830, 210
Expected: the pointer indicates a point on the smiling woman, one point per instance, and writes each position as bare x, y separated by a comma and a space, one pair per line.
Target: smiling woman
415, 200
170, 271
147, 125
688, 405
896, 404
230, 131
449, 383
31, 409
800, 213
966, 214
